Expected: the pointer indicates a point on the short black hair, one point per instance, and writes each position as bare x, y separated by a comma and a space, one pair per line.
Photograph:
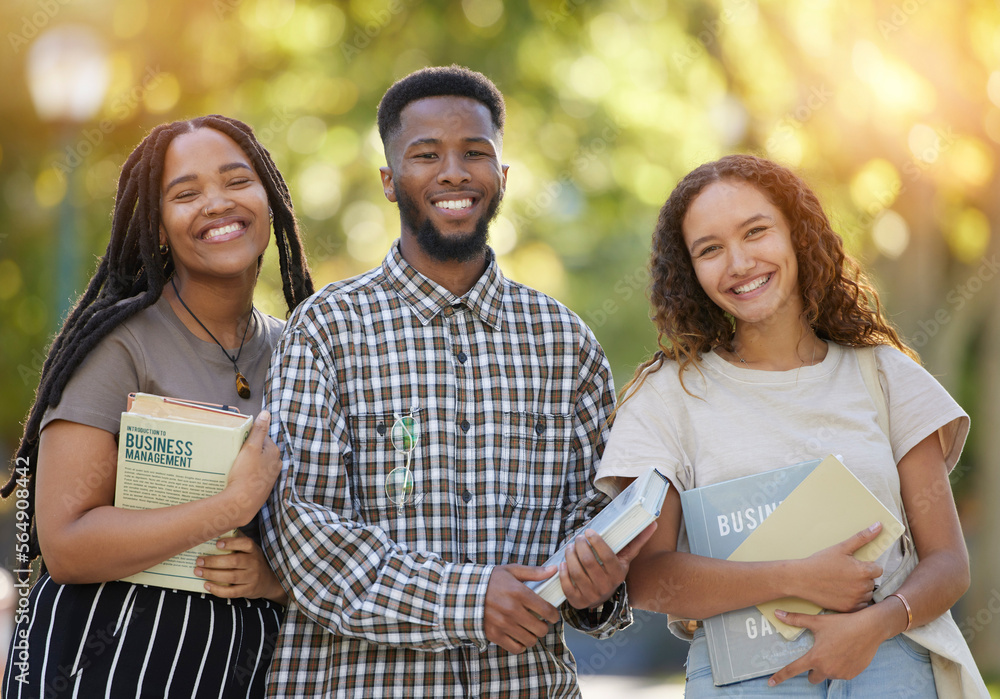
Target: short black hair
438, 81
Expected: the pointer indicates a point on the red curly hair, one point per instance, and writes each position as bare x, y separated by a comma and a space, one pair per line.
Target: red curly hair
839, 302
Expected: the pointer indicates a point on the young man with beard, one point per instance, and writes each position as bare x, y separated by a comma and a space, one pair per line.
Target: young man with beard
440, 427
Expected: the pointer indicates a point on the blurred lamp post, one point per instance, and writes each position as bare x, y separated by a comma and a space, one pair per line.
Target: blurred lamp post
68, 76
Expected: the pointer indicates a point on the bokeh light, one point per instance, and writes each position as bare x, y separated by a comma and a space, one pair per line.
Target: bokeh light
968, 235
483, 13
890, 233
876, 185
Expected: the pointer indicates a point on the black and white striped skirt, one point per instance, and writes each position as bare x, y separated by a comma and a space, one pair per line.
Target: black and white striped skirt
117, 639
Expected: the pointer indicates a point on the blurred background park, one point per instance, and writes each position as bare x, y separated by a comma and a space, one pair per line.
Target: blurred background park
889, 108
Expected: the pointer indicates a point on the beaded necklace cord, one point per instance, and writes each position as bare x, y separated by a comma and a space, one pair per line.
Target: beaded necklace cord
242, 385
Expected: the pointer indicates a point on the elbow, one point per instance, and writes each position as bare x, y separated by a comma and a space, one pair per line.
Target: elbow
962, 580
956, 578
61, 565
962, 575
72, 573
956, 588
60, 570
60, 577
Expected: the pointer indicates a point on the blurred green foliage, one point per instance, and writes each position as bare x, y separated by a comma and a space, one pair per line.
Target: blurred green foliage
889, 108
609, 104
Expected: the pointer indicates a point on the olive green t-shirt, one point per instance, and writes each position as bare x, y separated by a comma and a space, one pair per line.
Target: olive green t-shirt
154, 352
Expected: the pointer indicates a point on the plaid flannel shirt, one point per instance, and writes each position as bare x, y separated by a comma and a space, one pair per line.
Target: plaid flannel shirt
511, 394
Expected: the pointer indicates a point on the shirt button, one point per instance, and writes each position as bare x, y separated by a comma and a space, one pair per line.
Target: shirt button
539, 427
380, 428
465, 425
466, 496
462, 356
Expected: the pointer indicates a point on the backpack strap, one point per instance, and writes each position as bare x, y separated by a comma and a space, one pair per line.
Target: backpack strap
869, 372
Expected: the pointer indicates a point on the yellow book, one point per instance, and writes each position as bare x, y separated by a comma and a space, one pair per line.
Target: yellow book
827, 507
171, 452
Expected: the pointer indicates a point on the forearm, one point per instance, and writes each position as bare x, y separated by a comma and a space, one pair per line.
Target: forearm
697, 587
934, 586
108, 543
846, 643
354, 581
942, 575
278, 594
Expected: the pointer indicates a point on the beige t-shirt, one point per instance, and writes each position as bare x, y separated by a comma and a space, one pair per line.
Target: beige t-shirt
742, 421
154, 352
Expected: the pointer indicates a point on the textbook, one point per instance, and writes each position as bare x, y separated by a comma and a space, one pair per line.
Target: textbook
170, 452
785, 513
812, 518
634, 509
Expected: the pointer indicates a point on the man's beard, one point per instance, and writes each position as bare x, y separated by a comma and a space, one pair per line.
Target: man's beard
456, 248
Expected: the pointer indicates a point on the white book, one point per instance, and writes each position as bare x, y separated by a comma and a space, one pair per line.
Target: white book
622, 520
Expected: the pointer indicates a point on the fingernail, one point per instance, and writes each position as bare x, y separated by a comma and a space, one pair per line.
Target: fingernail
197, 571
200, 562
780, 613
771, 683
875, 526
221, 544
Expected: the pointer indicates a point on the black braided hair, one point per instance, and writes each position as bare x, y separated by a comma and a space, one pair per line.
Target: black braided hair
131, 275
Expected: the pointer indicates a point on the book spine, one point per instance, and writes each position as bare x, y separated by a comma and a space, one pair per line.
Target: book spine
698, 532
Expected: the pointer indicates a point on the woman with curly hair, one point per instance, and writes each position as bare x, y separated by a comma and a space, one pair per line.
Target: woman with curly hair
763, 321
169, 311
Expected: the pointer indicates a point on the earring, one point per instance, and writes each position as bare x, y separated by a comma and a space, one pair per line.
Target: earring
164, 248
270, 214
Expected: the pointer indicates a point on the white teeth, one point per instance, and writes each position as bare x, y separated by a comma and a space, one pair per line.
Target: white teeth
456, 204
216, 232
752, 285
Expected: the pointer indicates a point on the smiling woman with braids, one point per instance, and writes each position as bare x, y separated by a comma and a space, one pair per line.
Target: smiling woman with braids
169, 311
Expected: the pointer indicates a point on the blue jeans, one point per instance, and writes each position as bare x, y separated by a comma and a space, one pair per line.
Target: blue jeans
900, 668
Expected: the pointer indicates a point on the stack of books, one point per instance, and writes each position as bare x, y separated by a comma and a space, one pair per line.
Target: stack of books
170, 452
786, 513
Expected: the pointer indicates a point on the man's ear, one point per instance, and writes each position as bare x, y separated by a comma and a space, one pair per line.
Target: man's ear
387, 187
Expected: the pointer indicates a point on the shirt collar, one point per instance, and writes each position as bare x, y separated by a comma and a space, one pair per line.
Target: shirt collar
427, 298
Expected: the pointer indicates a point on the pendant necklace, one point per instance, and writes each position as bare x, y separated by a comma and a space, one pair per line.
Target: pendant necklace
242, 385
